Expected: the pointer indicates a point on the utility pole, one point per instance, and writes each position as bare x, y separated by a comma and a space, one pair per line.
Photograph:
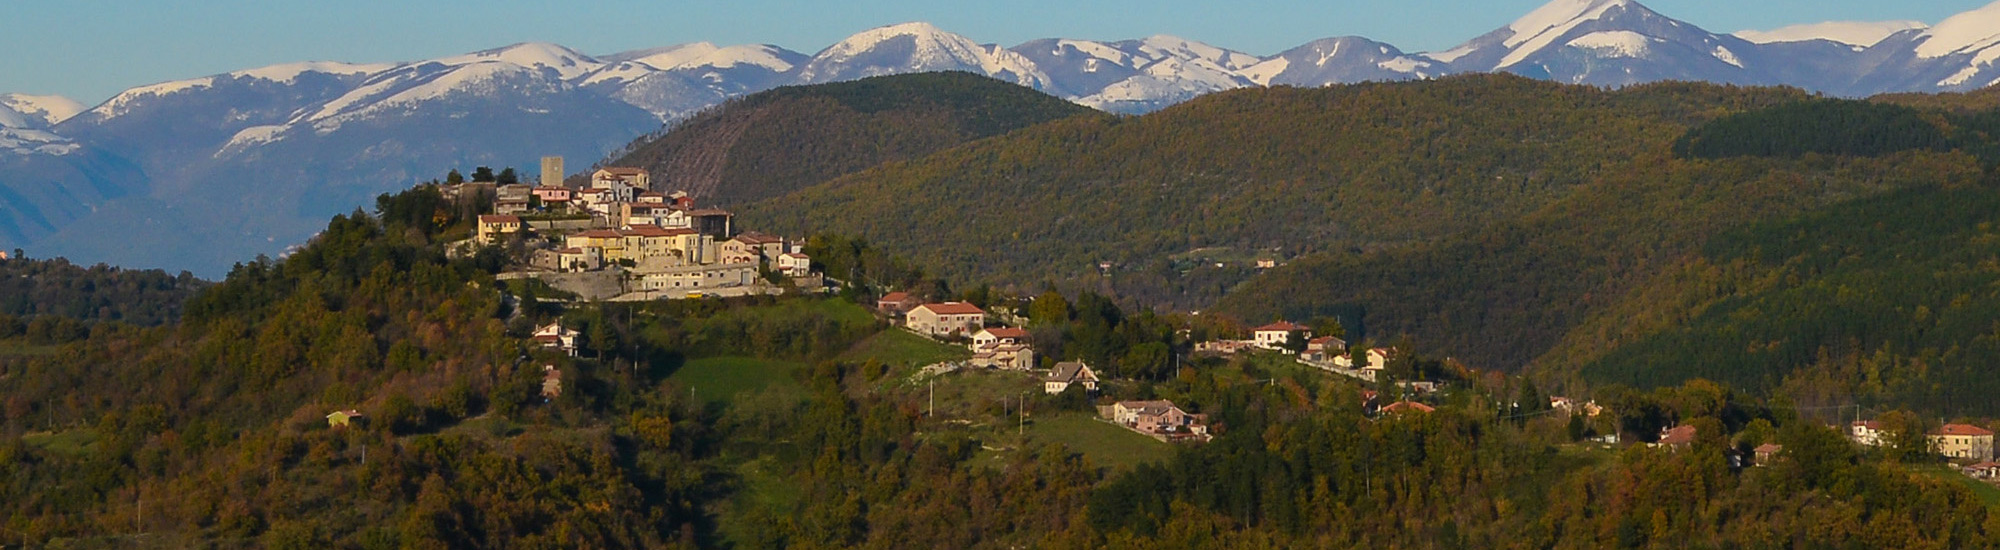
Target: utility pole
1021, 415
933, 383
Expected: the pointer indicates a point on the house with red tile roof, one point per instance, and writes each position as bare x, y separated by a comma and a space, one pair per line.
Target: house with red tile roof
1963, 441
1867, 432
1677, 437
1275, 335
1161, 419
896, 304
945, 319
1767, 453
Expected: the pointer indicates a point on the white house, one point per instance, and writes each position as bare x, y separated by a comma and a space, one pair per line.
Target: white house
794, 264
1378, 359
554, 336
998, 335
1274, 335
1867, 432
1069, 373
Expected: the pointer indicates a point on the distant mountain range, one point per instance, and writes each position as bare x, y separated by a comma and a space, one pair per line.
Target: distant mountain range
196, 174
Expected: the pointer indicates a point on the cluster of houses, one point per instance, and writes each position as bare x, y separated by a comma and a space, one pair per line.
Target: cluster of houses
1964, 443
1968, 445
617, 221
1322, 352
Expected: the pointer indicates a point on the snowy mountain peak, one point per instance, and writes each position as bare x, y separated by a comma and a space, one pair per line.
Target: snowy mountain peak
48, 109
1545, 25
566, 62
927, 35
916, 47
288, 72
1173, 46
669, 57
1852, 33
1963, 33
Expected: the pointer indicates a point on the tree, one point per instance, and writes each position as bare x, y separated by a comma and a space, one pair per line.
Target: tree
482, 174
454, 178
1327, 326
1295, 341
507, 177
1049, 309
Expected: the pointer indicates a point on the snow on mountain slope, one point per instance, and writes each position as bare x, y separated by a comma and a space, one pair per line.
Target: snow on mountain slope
48, 109
1343, 60
1853, 33
1967, 32
1616, 43
1542, 27
912, 48
1622, 42
24, 124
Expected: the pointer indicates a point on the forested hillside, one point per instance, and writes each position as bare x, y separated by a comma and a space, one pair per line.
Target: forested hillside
31, 287
779, 141
1282, 172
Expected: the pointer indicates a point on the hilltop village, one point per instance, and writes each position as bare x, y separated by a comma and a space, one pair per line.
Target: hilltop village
617, 238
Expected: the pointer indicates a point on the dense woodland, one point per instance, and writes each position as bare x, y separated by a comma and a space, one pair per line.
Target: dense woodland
31, 288
790, 138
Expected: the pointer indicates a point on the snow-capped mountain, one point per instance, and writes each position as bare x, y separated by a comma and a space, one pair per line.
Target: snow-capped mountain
201, 172
915, 48
1606, 42
25, 121
1956, 55
1342, 60
1136, 76
1857, 34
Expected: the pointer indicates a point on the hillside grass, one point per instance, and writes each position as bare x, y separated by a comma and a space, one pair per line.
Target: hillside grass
1986, 492
902, 350
1105, 444
718, 379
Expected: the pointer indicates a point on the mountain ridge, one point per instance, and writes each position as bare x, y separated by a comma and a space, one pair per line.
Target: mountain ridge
367, 128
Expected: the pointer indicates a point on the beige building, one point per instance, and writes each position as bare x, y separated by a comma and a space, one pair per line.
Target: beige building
1963, 441
946, 318
695, 278
494, 228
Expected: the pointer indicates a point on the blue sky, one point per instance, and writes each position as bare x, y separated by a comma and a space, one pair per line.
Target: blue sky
91, 49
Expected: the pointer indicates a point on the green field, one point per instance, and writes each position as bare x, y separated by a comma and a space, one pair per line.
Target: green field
901, 350
1986, 492
1105, 444
717, 379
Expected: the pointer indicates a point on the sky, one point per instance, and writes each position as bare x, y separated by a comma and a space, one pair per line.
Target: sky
90, 50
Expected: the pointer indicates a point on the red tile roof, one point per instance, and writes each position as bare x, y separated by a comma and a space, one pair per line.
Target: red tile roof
1769, 448
1962, 429
1280, 326
953, 308
896, 297
1405, 406
646, 231
1679, 435
1008, 332
624, 171
600, 234
753, 237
